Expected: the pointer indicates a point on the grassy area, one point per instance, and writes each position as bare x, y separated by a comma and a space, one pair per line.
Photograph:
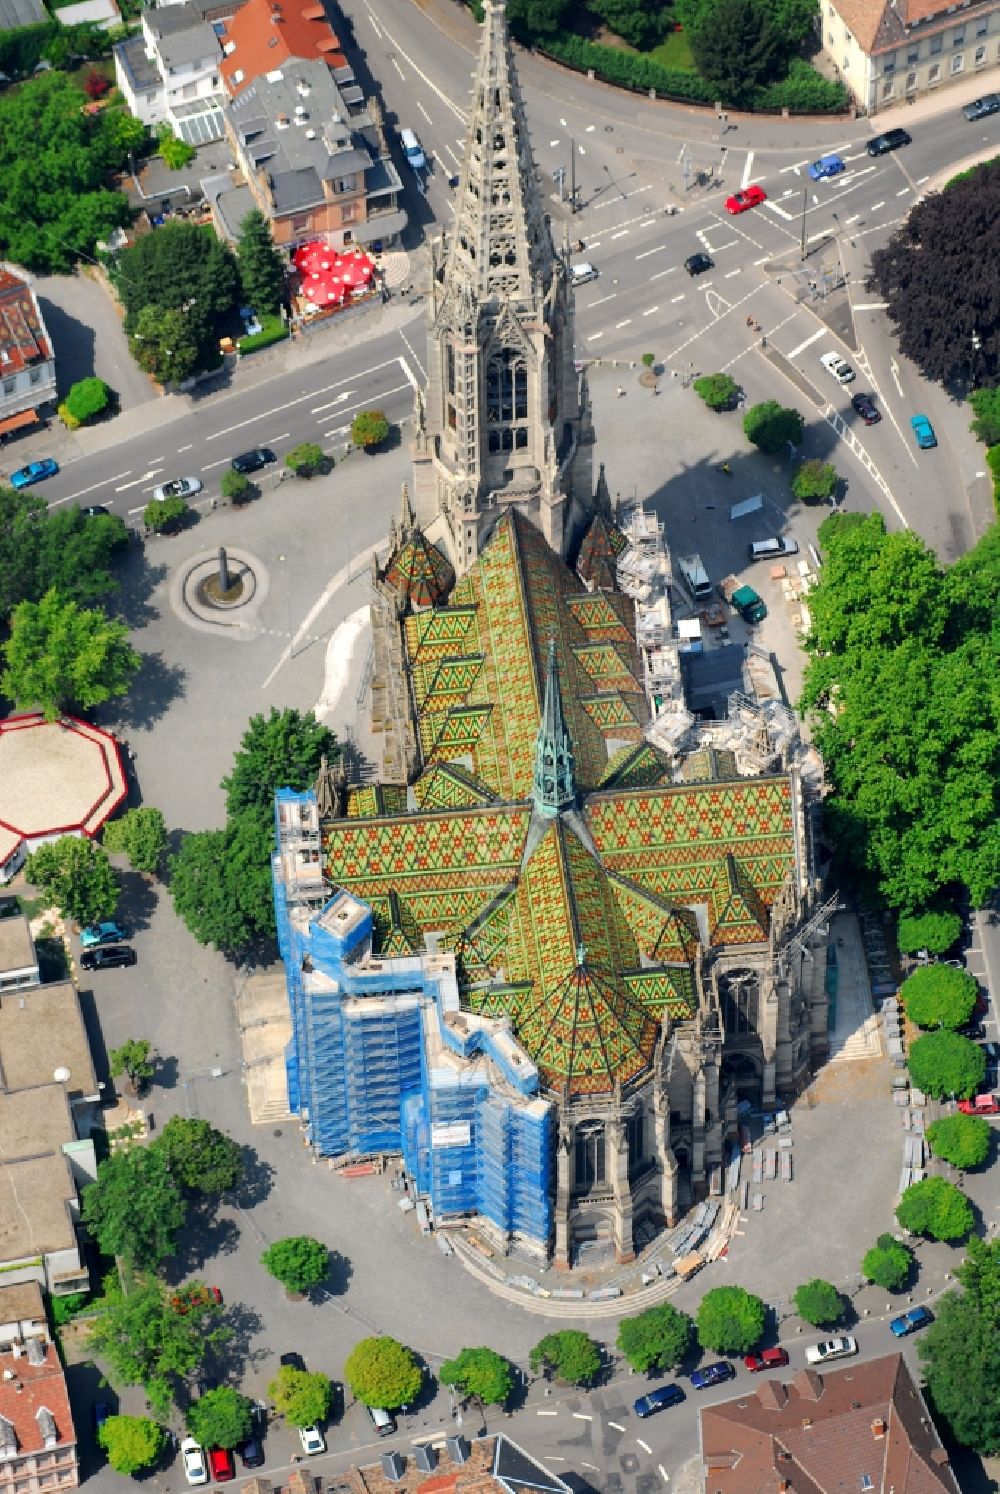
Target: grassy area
674, 52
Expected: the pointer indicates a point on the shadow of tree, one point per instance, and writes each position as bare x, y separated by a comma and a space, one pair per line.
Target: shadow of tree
138, 899
229, 1362
156, 686
339, 1273
136, 577
204, 1236
257, 1181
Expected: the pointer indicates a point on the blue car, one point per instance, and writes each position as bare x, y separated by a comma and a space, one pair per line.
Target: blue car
826, 166
101, 1413
102, 933
924, 432
656, 1400
33, 472
713, 1374
910, 1322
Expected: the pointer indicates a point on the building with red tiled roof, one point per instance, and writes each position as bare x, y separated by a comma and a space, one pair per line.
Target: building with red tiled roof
37, 1437
266, 34
489, 1465
890, 50
27, 362
863, 1427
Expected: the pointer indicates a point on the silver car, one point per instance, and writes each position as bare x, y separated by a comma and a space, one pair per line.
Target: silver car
180, 487
832, 1348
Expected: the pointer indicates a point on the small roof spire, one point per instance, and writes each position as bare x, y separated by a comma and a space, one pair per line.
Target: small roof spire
406, 517
555, 776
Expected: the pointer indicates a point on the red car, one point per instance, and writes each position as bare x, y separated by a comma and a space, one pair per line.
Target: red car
750, 197
980, 1105
766, 1359
221, 1464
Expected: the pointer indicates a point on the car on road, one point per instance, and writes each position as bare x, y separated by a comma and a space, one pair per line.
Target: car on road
980, 1105
826, 166
94, 510
910, 1322
891, 140
34, 472
252, 461
102, 933
222, 1464
865, 407
766, 1359
835, 365
193, 1462
251, 1452
980, 108
101, 1413
713, 1374
383, 1422
312, 1441
658, 1400
831, 1348
749, 197
583, 273
180, 487
108, 957
293, 1360
697, 264
923, 431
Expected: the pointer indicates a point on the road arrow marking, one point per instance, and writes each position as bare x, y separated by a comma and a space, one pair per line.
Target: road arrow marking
138, 481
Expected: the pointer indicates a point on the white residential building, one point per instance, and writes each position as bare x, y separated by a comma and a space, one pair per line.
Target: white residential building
27, 362
890, 50
170, 72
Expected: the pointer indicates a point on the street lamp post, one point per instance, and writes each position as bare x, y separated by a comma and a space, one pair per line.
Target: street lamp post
805, 195
976, 345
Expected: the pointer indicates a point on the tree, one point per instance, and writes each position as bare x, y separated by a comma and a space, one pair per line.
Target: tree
736, 48
132, 1060
77, 876
144, 1342
937, 292
305, 460
961, 1352
718, 390
369, 428
818, 1302
945, 1063
658, 1338
888, 1264
771, 426
298, 1262
283, 749
141, 834
986, 405
163, 514
88, 397
131, 1442
939, 996
182, 264
201, 1159
796, 21
531, 20
382, 1372
482, 1374
300, 1397
730, 1320
935, 1208
62, 657
176, 153
235, 486
134, 1209
642, 26
95, 84
220, 884
261, 267
569, 1355
814, 481
167, 344
962, 1140
62, 548
220, 1418
933, 930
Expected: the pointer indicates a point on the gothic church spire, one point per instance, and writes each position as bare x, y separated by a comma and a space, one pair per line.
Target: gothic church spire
555, 775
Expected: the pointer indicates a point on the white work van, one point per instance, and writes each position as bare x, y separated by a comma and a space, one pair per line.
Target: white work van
695, 577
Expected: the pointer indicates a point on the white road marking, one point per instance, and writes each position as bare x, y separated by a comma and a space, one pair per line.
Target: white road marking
273, 440
301, 399
138, 481
424, 112
546, 1413
761, 261
870, 306
675, 299
398, 68
853, 219
318, 409
747, 169
623, 234
894, 370
921, 180
617, 1426
796, 168
730, 273
644, 1445
595, 336
660, 274
815, 337
207, 466
592, 1466
876, 205
647, 252
185, 448
582, 1416
93, 487
652, 311
601, 300
340, 430
625, 323
903, 191
663, 1473
334, 584
780, 211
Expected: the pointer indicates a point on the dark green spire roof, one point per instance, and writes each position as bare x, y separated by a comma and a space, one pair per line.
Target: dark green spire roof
555, 776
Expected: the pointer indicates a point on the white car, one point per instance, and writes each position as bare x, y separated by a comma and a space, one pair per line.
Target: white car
834, 364
833, 1348
193, 1458
186, 487
312, 1441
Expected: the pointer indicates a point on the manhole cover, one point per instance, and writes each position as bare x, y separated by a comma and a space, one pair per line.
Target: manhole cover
278, 1132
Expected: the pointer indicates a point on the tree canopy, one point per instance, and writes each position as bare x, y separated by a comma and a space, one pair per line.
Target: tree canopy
132, 1059
183, 270
87, 398
141, 834
814, 481
962, 1140
220, 1418
771, 426
201, 1159
144, 1342
220, 884
818, 1302
62, 657
77, 876
737, 48
298, 1262
943, 1064
369, 428
730, 1320
42, 548
961, 1351
569, 1354
134, 1209
131, 1442
718, 390
658, 1338
301, 1397
933, 930
382, 1372
482, 1374
280, 750
936, 1208
261, 267
888, 1264
939, 996
939, 295
306, 459
169, 343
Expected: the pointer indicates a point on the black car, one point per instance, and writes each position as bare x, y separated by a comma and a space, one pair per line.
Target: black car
107, 957
865, 407
293, 1361
656, 1400
252, 461
251, 1452
699, 263
891, 140
94, 510
980, 108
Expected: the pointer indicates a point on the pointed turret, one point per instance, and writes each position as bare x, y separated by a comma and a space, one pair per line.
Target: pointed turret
555, 777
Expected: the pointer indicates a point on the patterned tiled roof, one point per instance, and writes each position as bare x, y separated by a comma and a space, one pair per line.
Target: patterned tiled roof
420, 572
582, 930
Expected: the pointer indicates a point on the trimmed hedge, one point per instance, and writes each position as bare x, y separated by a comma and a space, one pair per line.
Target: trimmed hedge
993, 462
273, 329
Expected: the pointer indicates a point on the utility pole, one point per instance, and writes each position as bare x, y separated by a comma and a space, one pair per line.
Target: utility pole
572, 175
805, 194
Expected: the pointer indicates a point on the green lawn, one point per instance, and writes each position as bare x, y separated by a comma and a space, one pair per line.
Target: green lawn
674, 52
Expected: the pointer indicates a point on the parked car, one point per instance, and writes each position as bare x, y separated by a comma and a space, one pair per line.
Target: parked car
910, 1322
923, 431
193, 1462
865, 407
94, 510
980, 108
251, 1452
713, 1374
222, 1464
697, 264
293, 1360
835, 365
831, 1348
583, 273
826, 166
102, 933
766, 1359
101, 1413
180, 487
749, 197
33, 472
658, 1400
891, 140
312, 1441
382, 1421
108, 957
980, 1105
252, 461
